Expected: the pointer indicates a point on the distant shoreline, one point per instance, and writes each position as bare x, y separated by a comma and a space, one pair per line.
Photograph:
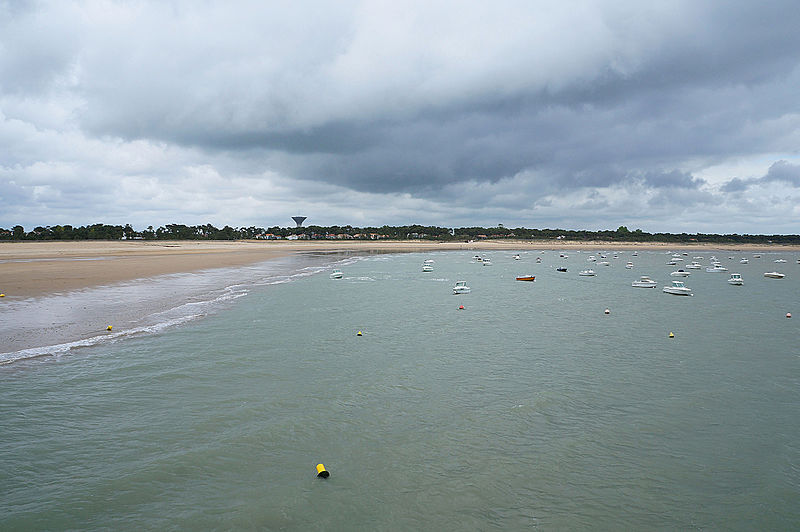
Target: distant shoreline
31, 269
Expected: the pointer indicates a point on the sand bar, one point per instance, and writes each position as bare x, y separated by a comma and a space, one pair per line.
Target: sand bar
30, 269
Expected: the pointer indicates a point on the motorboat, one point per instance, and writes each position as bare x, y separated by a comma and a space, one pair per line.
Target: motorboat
336, 274
428, 261
644, 282
743, 261
427, 267
587, 273
736, 279
561, 269
774, 275
716, 268
538, 260
780, 260
477, 258
592, 258
487, 261
526, 277
461, 288
680, 273
563, 255
678, 288
516, 257
635, 254
629, 265
603, 263
756, 256
671, 263
694, 265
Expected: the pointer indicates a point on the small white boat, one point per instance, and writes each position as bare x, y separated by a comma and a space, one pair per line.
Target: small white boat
477, 258
716, 268
680, 273
592, 258
644, 282
336, 274
671, 263
428, 261
736, 279
538, 260
774, 275
780, 260
603, 263
629, 265
517, 257
587, 273
693, 266
743, 261
756, 256
487, 261
678, 288
635, 254
461, 288
427, 267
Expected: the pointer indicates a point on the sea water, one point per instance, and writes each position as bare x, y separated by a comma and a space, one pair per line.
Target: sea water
528, 408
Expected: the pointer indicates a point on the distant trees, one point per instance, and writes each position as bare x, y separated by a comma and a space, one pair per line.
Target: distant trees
404, 232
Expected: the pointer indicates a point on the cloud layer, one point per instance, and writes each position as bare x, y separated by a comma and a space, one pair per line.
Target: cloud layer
668, 116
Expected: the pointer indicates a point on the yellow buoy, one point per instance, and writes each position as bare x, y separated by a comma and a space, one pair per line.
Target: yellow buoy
322, 472
359, 333
108, 328
2, 295
671, 335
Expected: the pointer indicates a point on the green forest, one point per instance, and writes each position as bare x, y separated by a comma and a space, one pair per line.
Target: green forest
406, 232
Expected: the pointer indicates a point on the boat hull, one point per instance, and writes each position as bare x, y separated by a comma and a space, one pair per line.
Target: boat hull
526, 278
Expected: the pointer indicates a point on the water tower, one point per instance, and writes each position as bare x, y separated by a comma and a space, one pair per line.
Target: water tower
299, 220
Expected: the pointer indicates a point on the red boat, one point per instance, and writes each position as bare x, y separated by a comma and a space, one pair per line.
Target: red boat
526, 277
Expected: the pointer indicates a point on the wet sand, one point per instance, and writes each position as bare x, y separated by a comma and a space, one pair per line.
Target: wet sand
30, 269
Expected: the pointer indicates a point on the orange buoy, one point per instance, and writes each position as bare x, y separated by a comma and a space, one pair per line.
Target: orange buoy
461, 307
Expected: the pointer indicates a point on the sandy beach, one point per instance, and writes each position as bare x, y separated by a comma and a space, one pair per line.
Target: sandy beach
30, 269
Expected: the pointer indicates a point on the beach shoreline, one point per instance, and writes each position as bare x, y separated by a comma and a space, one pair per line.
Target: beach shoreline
32, 269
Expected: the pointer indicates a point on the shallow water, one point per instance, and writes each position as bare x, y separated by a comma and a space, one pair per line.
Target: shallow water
528, 408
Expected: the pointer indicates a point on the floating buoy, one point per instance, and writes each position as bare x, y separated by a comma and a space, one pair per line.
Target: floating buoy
671, 335
359, 333
108, 328
322, 472
461, 307
788, 314
2, 295
607, 311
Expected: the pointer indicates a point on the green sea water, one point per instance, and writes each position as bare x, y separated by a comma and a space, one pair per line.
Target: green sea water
529, 408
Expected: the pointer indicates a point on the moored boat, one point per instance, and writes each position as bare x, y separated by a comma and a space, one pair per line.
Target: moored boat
587, 273
774, 275
678, 288
336, 274
736, 279
644, 282
526, 277
461, 288
680, 273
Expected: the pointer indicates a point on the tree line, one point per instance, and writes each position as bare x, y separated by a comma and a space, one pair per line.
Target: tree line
405, 232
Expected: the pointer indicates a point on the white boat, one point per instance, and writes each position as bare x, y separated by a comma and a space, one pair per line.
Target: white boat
487, 261
427, 267
680, 273
635, 254
629, 265
644, 282
671, 263
336, 274
693, 266
756, 256
516, 257
477, 258
716, 268
586, 273
774, 275
603, 263
736, 279
428, 261
592, 258
678, 288
743, 261
538, 260
461, 288
780, 260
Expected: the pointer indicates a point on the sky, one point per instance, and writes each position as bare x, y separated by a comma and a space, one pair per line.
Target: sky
676, 116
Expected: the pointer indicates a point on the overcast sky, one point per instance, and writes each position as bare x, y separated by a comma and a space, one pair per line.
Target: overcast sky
665, 116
